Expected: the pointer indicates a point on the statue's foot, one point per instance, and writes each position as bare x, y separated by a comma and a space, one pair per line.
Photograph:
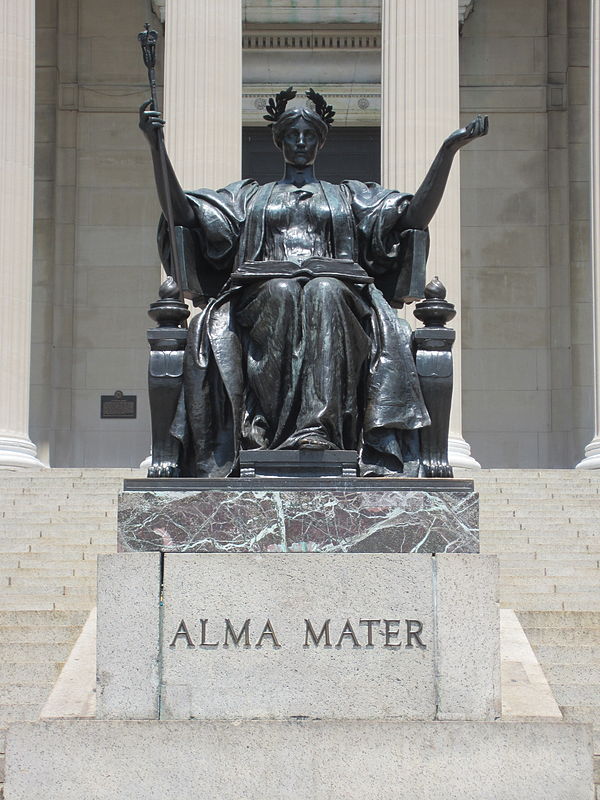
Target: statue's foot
164, 469
314, 441
433, 468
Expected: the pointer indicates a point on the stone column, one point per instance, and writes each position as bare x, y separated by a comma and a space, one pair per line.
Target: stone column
203, 91
17, 75
592, 451
420, 107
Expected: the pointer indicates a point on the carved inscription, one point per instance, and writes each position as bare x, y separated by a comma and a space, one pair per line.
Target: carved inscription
394, 634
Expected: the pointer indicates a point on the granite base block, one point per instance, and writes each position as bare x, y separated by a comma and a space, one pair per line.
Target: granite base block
277, 636
306, 760
353, 516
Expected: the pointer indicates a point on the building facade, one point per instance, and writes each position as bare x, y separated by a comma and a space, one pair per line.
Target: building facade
513, 241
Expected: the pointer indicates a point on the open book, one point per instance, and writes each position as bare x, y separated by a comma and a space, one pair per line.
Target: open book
313, 267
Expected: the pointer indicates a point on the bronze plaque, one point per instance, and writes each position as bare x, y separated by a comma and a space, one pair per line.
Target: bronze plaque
118, 406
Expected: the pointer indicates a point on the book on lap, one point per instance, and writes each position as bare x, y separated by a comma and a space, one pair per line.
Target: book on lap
313, 267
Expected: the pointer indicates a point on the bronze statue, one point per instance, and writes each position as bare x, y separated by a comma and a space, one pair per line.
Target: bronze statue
298, 345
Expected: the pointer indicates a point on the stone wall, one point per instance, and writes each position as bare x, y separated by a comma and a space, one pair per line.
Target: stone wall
96, 265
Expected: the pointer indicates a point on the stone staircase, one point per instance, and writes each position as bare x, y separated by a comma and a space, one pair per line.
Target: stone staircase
53, 523
544, 526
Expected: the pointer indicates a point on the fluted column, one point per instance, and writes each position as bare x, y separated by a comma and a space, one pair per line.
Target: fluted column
17, 74
420, 107
203, 91
592, 451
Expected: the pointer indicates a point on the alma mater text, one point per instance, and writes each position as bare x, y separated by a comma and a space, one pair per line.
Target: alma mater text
391, 633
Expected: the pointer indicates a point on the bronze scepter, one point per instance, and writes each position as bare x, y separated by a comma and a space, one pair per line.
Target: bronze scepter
147, 40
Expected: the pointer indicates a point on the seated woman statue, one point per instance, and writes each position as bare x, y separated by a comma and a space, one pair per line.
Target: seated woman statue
299, 349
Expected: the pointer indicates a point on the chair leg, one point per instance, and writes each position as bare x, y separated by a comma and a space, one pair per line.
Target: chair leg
434, 367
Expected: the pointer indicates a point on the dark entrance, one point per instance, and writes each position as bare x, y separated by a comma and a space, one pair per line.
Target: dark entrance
348, 153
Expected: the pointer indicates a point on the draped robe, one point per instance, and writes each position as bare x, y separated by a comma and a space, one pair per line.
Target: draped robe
219, 412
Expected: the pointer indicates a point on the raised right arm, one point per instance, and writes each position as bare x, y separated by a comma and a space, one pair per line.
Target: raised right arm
151, 124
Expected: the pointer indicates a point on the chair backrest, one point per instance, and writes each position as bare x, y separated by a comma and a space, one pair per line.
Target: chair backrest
197, 285
407, 284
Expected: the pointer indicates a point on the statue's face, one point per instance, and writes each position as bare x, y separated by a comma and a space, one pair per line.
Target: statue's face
300, 144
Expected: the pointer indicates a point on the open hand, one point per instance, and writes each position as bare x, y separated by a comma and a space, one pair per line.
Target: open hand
476, 128
150, 122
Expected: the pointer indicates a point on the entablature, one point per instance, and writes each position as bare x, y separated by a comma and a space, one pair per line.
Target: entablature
309, 12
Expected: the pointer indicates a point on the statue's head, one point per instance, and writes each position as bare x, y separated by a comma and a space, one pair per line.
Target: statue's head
299, 134
299, 129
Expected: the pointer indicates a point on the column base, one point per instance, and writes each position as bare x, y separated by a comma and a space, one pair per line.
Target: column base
18, 453
459, 454
591, 460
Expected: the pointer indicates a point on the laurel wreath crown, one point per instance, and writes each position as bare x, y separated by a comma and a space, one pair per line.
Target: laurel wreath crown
276, 106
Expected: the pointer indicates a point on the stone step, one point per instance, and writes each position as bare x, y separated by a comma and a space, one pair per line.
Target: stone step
42, 618
32, 558
551, 512
17, 695
48, 603
45, 547
37, 634
572, 674
28, 712
69, 525
522, 598
566, 653
583, 583
36, 562
29, 673
86, 543
567, 694
12, 508
41, 590
560, 570
590, 619
24, 516
29, 604
554, 515
563, 636
74, 603
505, 528
86, 569
544, 548
50, 583
583, 558
535, 602
567, 535
549, 496
45, 499
19, 653
38, 571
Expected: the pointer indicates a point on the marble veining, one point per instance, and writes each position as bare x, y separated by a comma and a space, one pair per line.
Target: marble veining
327, 521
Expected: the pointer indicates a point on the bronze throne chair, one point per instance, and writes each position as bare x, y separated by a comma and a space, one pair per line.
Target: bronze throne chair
431, 347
